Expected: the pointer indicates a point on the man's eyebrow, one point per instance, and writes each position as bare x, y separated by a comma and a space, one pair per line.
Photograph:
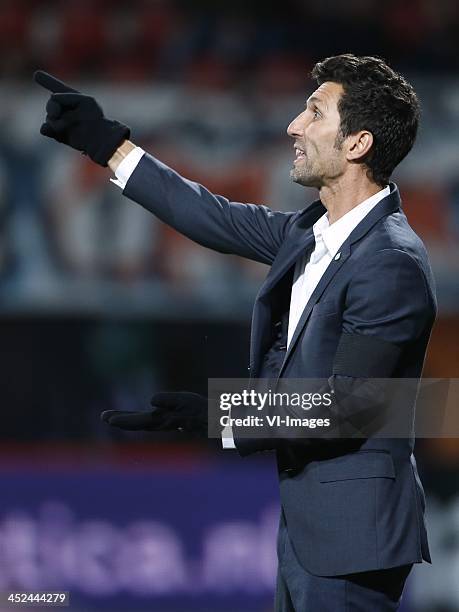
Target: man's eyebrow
317, 101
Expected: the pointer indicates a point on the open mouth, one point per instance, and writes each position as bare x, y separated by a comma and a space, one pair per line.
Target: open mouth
299, 153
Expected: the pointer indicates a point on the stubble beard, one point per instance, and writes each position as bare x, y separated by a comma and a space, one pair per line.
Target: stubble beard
304, 175
307, 176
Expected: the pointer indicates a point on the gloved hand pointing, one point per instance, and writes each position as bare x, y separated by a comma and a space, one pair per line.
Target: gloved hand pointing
78, 121
171, 411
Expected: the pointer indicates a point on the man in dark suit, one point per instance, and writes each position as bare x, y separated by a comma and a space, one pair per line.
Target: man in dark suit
349, 298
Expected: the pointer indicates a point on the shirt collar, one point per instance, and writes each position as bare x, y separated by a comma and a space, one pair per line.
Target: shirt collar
335, 234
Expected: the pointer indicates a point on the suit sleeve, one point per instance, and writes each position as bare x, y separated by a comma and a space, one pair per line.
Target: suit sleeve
387, 308
248, 230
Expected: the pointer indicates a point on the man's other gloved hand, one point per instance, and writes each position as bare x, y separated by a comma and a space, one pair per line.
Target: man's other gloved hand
78, 121
171, 411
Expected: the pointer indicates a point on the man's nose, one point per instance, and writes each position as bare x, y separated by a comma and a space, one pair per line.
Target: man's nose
295, 128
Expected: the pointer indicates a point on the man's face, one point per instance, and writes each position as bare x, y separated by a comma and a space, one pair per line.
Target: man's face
320, 155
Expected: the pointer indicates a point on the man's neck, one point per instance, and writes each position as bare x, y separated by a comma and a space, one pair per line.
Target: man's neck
344, 195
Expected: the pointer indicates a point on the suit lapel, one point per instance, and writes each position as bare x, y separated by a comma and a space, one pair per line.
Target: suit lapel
288, 254
327, 276
300, 238
261, 317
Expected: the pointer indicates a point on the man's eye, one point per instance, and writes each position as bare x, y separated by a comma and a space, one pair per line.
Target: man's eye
316, 113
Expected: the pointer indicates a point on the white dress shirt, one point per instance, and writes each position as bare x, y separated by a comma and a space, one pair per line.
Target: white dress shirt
127, 167
328, 240
308, 269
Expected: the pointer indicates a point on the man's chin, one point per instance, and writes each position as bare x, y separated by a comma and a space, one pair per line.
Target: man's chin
302, 179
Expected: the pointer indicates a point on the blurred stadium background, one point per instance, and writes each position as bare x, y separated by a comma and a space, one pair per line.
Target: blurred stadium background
101, 305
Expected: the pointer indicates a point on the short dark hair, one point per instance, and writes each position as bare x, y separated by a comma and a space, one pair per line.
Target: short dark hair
377, 99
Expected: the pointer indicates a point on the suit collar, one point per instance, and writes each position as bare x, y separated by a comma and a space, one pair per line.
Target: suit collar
388, 205
301, 236
335, 234
385, 206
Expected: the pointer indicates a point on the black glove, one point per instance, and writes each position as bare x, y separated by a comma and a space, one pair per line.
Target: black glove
78, 121
171, 411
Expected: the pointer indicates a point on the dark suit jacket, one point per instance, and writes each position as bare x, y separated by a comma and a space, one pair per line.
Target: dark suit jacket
347, 509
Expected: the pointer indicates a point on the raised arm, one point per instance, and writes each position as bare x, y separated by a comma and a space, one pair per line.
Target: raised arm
248, 230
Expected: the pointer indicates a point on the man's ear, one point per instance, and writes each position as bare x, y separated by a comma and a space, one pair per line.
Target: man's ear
359, 145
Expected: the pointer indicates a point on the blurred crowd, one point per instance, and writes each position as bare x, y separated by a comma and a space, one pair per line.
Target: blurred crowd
217, 43
208, 88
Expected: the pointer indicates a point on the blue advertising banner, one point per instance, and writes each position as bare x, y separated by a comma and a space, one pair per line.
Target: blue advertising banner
141, 531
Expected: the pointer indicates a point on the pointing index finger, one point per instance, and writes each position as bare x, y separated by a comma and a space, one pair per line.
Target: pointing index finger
51, 83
